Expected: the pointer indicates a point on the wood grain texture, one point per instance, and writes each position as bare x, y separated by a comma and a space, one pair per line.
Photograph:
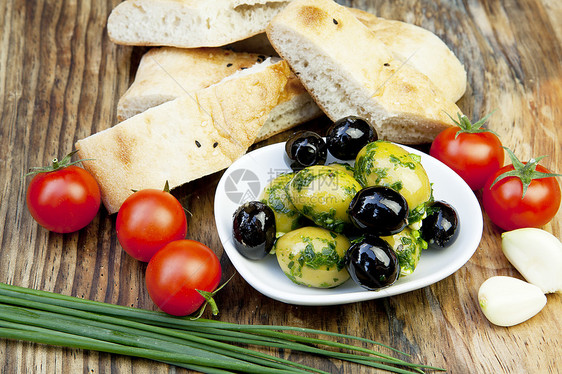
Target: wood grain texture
60, 80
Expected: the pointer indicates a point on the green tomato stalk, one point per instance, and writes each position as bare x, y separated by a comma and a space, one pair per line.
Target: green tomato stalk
471, 128
56, 164
526, 172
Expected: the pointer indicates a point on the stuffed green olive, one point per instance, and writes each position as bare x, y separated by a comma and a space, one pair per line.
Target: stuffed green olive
323, 194
313, 257
287, 217
382, 163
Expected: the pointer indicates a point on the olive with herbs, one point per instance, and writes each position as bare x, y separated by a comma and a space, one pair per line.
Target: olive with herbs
313, 257
441, 226
306, 148
380, 210
347, 136
323, 194
287, 217
254, 230
372, 263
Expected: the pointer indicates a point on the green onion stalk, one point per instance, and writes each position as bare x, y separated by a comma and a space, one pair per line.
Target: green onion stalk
201, 345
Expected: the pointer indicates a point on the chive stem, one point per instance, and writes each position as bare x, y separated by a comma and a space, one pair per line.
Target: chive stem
202, 345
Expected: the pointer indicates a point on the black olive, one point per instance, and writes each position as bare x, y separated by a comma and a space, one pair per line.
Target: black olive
441, 226
254, 230
380, 210
372, 263
347, 136
306, 148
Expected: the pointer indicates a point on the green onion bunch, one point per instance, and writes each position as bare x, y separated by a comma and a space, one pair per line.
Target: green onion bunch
206, 346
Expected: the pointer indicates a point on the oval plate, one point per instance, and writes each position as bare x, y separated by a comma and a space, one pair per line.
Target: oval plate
244, 180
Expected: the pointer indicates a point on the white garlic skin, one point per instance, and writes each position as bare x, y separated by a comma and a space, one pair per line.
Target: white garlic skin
537, 255
508, 301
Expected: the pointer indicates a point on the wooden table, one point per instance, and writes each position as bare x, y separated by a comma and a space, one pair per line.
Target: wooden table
60, 79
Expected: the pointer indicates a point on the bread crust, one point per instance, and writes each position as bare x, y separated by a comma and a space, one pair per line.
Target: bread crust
183, 139
348, 71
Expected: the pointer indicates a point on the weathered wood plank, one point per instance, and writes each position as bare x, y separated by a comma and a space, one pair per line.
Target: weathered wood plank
60, 79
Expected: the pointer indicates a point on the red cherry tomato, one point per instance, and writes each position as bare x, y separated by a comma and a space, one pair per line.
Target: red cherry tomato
505, 205
177, 271
472, 152
63, 200
147, 221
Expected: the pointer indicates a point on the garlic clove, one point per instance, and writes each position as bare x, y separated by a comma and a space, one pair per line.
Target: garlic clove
537, 255
507, 301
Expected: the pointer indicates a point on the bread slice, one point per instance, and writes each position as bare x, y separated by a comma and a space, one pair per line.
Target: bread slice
348, 71
167, 73
189, 23
422, 49
183, 139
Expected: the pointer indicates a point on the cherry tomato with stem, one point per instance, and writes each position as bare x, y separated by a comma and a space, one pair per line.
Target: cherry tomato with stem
148, 220
521, 195
182, 276
471, 151
63, 197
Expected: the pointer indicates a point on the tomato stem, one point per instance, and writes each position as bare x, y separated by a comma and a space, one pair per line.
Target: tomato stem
468, 127
524, 171
209, 299
56, 164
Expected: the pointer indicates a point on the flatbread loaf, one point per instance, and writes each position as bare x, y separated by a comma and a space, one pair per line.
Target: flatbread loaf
167, 73
189, 23
348, 71
183, 139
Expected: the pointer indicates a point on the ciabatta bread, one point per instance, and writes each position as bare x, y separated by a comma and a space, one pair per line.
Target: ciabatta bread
183, 139
348, 71
167, 73
422, 49
189, 23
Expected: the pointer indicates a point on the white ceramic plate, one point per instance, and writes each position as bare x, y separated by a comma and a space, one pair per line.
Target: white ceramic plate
244, 180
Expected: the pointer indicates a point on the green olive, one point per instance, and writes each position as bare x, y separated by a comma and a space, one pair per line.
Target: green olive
382, 163
287, 217
408, 245
323, 194
313, 256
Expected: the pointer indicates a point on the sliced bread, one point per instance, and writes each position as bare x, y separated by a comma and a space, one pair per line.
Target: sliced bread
183, 139
189, 23
421, 48
348, 71
167, 73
